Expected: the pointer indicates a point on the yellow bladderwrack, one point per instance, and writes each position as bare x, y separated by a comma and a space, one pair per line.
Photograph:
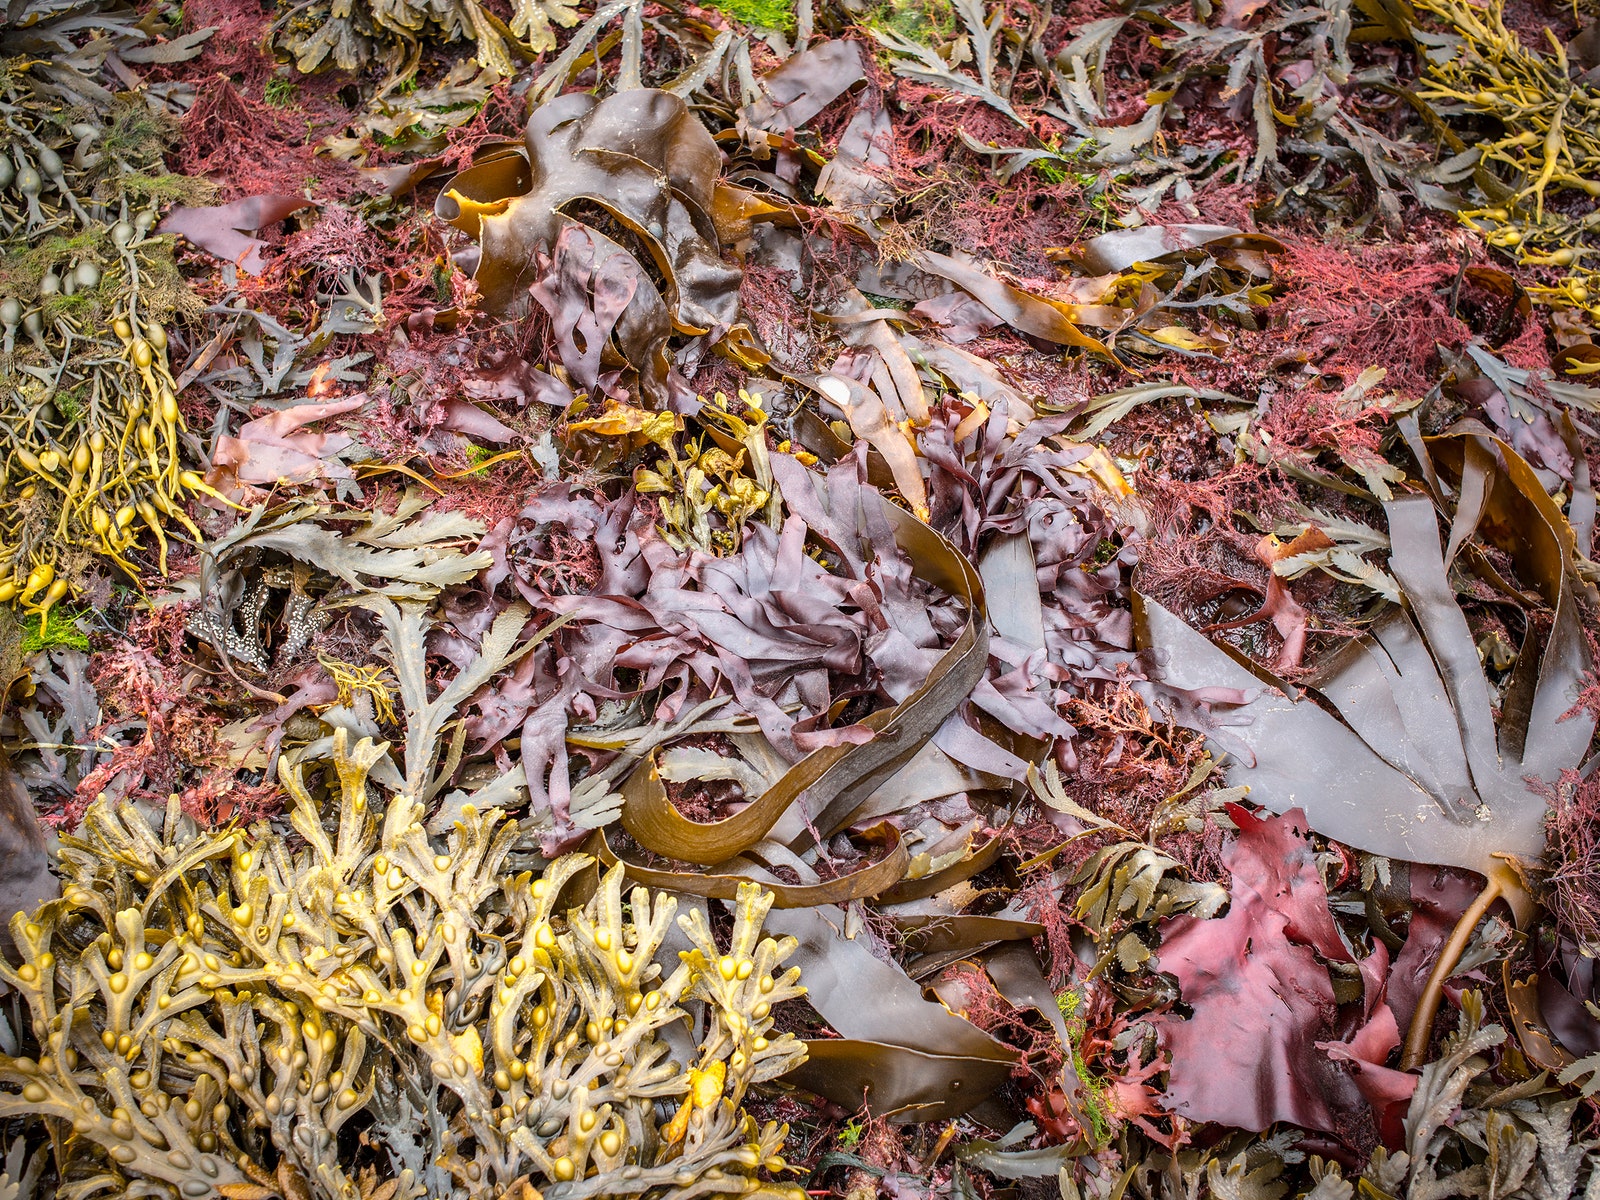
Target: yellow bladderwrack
223, 1011
352, 680
724, 473
1543, 163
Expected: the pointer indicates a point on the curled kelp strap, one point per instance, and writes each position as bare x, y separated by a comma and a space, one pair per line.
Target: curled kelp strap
904, 1084
835, 780
1021, 310
884, 880
643, 157
632, 176
1114, 252
936, 940
980, 858
723, 883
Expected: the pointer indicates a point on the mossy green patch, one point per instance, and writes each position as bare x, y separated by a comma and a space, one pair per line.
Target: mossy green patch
57, 630
280, 92
768, 14
1051, 170
1094, 1090
930, 22
136, 132
69, 404
86, 304
23, 267
160, 190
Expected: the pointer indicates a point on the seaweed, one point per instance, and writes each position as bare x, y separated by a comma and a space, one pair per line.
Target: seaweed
214, 1008
1069, 526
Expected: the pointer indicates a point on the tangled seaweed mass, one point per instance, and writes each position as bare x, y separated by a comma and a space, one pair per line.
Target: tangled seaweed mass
277, 974
799, 599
